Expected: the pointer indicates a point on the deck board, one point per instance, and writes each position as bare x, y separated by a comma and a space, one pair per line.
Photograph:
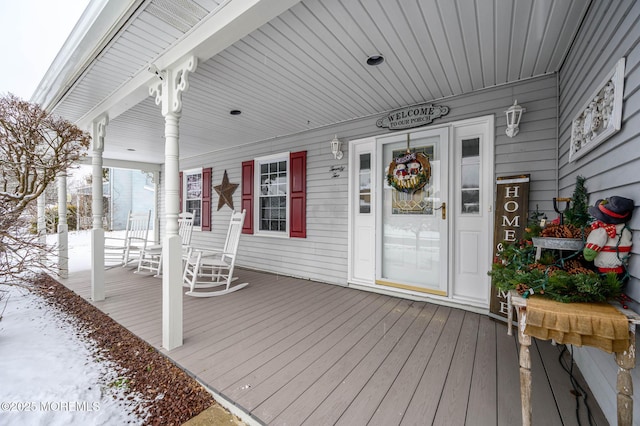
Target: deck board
424, 402
291, 351
256, 386
562, 388
482, 406
509, 406
393, 406
364, 405
327, 371
349, 386
455, 394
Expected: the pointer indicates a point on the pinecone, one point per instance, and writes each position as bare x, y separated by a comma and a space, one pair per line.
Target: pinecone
579, 270
521, 289
552, 270
563, 231
572, 264
549, 230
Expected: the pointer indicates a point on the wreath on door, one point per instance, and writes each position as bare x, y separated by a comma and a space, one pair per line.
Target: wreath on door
409, 173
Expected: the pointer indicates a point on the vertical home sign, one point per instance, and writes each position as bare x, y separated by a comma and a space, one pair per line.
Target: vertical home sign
512, 206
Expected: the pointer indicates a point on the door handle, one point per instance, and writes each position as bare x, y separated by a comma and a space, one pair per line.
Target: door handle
443, 207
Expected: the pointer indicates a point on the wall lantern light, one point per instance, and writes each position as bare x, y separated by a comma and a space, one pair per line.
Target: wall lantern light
335, 148
514, 114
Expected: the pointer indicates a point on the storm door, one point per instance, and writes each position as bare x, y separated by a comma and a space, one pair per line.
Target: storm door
412, 246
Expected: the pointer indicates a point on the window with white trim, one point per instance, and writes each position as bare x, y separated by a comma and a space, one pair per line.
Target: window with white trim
272, 194
192, 190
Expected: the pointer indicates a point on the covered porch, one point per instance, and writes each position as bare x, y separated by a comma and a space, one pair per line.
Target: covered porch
291, 351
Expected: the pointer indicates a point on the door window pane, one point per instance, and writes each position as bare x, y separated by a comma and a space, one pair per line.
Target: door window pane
365, 183
470, 176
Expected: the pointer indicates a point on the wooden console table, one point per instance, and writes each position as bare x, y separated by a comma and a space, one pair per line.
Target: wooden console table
626, 361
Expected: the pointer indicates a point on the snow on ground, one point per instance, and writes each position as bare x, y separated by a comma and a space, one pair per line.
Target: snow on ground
79, 243
48, 373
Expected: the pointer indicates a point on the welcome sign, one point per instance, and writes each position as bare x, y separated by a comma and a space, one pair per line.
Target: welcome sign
415, 116
512, 206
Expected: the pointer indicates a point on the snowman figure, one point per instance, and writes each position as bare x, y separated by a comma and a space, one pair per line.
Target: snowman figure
609, 243
401, 172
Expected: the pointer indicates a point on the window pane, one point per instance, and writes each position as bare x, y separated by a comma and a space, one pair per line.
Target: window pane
365, 162
471, 148
273, 200
470, 176
193, 195
471, 201
365, 203
194, 207
365, 183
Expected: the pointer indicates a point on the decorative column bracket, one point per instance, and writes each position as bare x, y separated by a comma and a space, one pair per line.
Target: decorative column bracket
168, 91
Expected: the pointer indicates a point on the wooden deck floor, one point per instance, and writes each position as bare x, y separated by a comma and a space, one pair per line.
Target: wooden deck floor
292, 352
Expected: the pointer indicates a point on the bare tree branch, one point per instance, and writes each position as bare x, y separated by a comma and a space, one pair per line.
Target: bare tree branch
35, 147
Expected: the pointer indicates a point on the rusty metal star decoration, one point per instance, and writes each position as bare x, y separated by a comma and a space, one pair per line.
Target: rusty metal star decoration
225, 191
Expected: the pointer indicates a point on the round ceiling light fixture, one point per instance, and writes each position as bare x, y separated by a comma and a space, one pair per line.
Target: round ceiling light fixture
235, 112
375, 60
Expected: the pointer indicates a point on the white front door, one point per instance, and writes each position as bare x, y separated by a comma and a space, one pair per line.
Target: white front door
432, 241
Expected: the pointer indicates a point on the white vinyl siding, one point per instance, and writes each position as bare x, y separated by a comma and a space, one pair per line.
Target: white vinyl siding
609, 32
322, 255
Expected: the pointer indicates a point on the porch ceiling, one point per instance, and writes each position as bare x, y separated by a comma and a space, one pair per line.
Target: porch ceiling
306, 68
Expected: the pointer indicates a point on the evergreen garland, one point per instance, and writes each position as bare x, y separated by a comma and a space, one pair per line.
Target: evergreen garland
513, 271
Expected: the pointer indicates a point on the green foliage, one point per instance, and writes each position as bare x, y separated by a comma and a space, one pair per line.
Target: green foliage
120, 383
578, 214
512, 271
51, 216
533, 228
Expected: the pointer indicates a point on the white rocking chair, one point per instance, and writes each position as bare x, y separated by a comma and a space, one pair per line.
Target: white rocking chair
122, 251
215, 265
151, 257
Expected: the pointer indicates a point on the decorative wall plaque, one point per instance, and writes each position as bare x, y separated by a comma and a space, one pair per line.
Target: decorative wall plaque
601, 115
415, 116
512, 206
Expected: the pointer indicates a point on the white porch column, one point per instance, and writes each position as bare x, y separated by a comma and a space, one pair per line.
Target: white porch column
42, 219
97, 231
168, 92
156, 202
63, 229
42, 225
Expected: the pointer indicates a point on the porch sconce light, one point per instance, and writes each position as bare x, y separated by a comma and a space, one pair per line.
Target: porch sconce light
514, 114
335, 148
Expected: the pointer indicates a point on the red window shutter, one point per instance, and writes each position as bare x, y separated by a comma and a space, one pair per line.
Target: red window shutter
180, 210
298, 207
247, 196
205, 221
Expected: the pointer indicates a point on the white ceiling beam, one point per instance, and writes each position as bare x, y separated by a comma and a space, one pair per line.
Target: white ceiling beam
123, 164
227, 24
